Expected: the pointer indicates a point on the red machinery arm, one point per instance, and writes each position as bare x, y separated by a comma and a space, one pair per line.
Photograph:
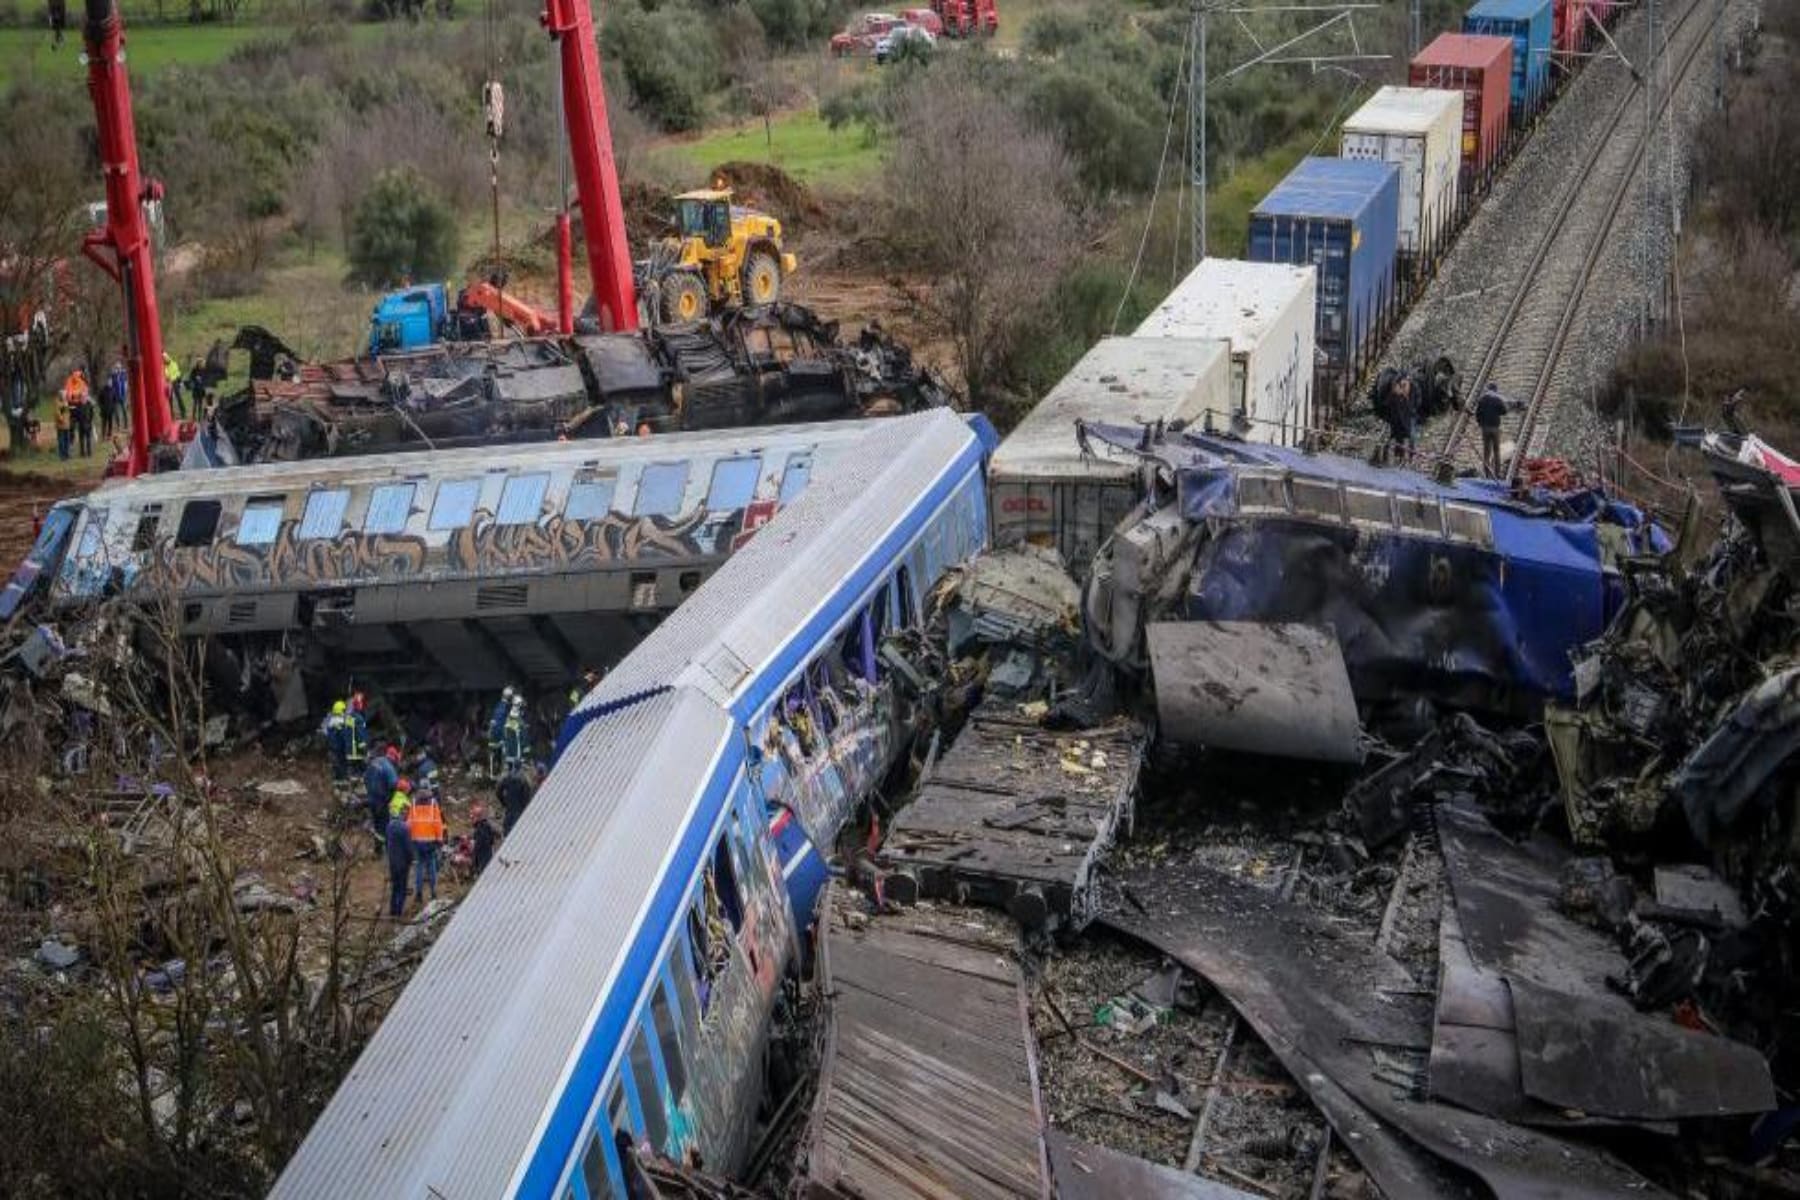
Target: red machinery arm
126, 234
571, 24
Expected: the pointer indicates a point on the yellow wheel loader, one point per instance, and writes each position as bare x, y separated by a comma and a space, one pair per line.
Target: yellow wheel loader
720, 255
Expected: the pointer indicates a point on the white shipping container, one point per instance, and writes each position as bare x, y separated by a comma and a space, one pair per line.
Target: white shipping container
1267, 311
1043, 489
1420, 129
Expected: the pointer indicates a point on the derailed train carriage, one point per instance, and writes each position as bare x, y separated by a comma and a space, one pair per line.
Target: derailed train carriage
1472, 592
619, 977
461, 569
771, 365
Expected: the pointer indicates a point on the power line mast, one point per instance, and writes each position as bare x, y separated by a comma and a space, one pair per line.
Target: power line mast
1272, 49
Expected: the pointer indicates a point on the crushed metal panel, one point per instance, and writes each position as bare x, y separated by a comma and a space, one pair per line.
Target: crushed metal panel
1084, 1171
928, 1086
1274, 689
1322, 1001
1691, 888
1604, 1058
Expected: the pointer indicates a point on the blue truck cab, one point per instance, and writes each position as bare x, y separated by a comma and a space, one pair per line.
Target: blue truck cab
409, 319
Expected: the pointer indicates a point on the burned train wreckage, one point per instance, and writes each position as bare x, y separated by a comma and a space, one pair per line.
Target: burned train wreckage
771, 365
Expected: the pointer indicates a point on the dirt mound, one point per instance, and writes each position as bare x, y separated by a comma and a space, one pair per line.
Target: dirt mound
774, 191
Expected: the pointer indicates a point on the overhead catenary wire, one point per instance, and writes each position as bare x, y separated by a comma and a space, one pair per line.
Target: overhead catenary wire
1162, 163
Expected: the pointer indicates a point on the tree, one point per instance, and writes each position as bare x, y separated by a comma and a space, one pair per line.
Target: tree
401, 230
980, 202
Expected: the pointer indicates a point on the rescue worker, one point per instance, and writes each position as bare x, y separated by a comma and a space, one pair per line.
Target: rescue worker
425, 773
1490, 410
497, 727
484, 835
425, 825
65, 419
121, 387
359, 731
590, 679
514, 793
172, 381
380, 778
1403, 417
337, 742
399, 849
514, 740
109, 409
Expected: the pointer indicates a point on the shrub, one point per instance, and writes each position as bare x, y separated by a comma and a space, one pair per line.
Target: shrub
670, 61
401, 230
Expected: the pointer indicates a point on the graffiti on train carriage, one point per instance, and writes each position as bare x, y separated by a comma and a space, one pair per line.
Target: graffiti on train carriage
555, 542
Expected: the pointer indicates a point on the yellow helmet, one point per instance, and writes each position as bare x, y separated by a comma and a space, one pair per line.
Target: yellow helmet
337, 709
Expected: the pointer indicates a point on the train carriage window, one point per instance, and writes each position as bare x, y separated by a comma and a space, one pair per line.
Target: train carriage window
733, 483
681, 970
199, 522
669, 1041
795, 478
643, 1071
389, 507
144, 537
261, 521
590, 499
594, 1170
324, 515
1315, 498
724, 898
522, 499
93, 534
454, 506
660, 488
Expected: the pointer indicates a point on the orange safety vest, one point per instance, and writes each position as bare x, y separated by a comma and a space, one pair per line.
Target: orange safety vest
425, 821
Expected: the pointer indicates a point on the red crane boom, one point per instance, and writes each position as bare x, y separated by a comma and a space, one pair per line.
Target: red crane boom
571, 24
126, 235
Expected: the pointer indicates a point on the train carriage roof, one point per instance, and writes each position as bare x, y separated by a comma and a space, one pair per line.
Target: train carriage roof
727, 634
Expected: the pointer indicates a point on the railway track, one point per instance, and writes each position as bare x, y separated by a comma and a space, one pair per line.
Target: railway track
1522, 357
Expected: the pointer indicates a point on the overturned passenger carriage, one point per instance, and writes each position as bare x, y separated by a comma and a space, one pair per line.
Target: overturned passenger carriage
466, 568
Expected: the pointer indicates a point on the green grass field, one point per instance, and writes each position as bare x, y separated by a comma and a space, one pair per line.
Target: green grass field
148, 48
803, 146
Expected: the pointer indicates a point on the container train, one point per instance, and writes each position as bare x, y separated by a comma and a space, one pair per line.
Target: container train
1413, 163
615, 976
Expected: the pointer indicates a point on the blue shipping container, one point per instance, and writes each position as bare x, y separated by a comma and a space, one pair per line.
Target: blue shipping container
1342, 216
1529, 23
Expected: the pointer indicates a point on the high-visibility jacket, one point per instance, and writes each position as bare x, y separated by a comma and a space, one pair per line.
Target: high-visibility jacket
357, 737
171, 371
425, 820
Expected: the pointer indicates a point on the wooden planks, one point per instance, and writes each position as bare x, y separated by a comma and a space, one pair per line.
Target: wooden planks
929, 1084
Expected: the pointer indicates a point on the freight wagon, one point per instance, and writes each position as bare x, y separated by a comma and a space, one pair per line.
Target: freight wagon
1048, 489
1529, 24
1266, 312
1342, 217
1481, 68
1418, 130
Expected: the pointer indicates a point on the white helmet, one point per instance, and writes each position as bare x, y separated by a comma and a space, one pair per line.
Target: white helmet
508, 694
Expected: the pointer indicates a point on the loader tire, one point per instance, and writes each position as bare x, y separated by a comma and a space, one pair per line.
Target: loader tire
762, 278
683, 297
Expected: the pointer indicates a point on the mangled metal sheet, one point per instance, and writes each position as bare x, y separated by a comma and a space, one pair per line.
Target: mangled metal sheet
1274, 689
1599, 1057
1084, 1171
1324, 1003
1581, 1046
928, 1086
1728, 771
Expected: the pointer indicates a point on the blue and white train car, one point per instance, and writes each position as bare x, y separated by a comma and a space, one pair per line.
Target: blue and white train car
617, 967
